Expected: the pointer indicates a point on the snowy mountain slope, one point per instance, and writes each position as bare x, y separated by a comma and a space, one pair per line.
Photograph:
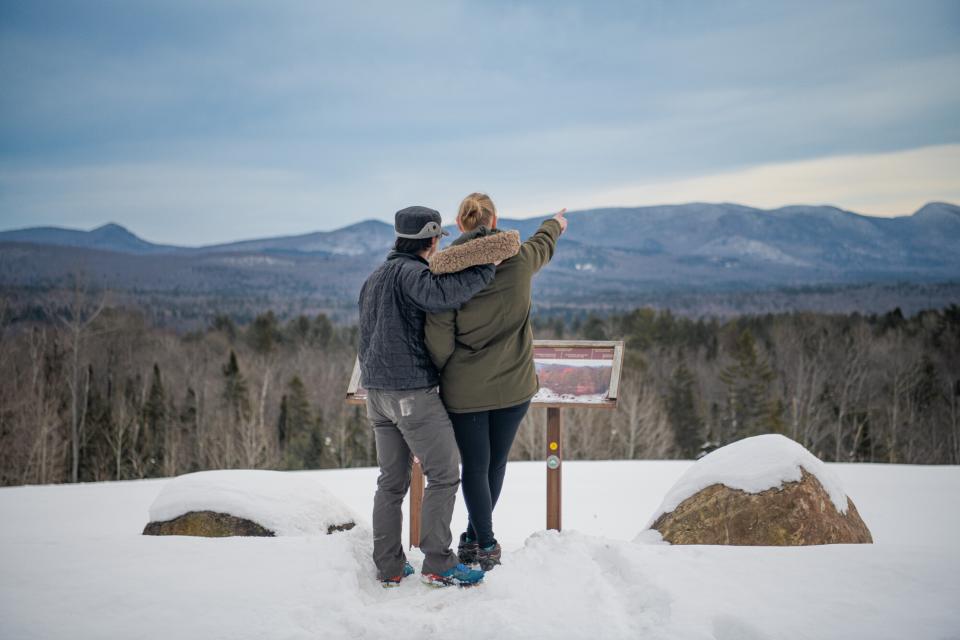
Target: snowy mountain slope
73, 565
607, 255
369, 236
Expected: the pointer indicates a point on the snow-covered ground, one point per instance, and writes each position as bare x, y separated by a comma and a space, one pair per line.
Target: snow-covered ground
74, 565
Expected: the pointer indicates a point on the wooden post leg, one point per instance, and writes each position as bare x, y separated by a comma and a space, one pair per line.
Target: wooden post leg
554, 460
416, 502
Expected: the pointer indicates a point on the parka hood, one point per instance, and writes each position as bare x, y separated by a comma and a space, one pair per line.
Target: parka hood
478, 246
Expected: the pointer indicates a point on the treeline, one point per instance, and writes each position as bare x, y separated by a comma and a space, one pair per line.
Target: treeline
851, 388
95, 393
90, 392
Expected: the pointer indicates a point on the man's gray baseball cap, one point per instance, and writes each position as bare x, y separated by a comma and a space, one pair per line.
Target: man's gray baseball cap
418, 222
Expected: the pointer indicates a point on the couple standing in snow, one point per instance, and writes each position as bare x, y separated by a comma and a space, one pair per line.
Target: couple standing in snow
446, 356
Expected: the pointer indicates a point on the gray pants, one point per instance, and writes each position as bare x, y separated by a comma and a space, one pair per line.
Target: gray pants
405, 421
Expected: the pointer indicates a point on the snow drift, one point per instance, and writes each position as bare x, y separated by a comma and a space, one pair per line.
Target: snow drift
288, 504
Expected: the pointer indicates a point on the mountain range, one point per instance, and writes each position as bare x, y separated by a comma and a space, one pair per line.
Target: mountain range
607, 254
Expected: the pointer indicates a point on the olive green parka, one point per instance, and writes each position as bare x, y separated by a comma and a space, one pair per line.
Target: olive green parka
484, 350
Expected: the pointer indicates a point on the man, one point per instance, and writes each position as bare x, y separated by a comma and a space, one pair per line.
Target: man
403, 402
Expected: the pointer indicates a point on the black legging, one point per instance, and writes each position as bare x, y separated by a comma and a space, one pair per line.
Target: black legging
484, 439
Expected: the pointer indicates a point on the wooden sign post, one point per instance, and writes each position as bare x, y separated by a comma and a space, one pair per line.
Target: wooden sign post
573, 373
554, 460
417, 487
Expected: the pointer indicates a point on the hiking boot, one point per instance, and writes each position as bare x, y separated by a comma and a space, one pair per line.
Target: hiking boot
460, 575
394, 581
489, 557
467, 550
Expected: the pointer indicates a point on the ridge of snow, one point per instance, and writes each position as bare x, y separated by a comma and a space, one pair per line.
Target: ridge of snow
288, 504
753, 465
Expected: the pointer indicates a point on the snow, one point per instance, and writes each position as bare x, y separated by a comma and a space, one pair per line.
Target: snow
562, 362
738, 246
288, 504
753, 465
545, 394
74, 565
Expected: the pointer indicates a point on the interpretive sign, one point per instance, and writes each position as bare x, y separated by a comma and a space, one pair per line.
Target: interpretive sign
572, 373
577, 372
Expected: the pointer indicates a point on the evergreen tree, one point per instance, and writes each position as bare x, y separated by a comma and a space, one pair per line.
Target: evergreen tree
188, 414
94, 443
188, 428
299, 329
155, 423
264, 332
682, 411
224, 325
301, 439
322, 331
316, 332
575, 325
594, 329
235, 396
282, 421
750, 409
558, 327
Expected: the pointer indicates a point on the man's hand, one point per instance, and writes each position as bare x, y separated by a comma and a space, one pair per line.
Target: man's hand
563, 221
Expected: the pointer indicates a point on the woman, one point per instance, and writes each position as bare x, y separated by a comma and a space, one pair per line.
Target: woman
484, 352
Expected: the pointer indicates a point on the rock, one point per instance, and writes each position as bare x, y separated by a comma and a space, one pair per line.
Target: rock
247, 502
209, 524
796, 513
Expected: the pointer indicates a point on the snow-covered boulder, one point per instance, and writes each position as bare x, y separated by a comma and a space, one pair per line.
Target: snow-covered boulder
243, 502
765, 490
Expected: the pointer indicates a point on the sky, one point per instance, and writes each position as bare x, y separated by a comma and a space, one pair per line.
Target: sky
195, 122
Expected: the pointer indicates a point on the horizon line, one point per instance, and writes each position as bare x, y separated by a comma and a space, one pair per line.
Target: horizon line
517, 218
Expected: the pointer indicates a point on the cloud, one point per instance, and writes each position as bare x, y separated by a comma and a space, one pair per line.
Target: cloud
881, 184
193, 205
221, 120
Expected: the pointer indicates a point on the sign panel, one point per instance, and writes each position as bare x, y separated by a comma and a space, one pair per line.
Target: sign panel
572, 373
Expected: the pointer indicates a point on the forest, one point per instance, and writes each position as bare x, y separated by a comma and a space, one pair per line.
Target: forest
92, 391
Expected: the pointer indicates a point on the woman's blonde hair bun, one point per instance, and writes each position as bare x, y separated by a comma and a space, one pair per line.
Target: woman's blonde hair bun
476, 209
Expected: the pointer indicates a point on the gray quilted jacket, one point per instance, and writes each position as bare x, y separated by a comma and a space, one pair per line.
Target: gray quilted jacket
394, 302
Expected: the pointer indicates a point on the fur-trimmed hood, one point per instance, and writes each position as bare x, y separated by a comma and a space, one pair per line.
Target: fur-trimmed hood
479, 246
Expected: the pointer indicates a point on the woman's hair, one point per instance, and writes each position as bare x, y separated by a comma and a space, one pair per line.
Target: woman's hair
475, 210
412, 245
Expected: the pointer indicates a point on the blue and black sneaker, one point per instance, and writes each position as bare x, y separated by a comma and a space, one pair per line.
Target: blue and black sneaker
460, 575
394, 581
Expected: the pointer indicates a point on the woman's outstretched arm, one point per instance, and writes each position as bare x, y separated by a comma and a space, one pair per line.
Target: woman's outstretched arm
538, 249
